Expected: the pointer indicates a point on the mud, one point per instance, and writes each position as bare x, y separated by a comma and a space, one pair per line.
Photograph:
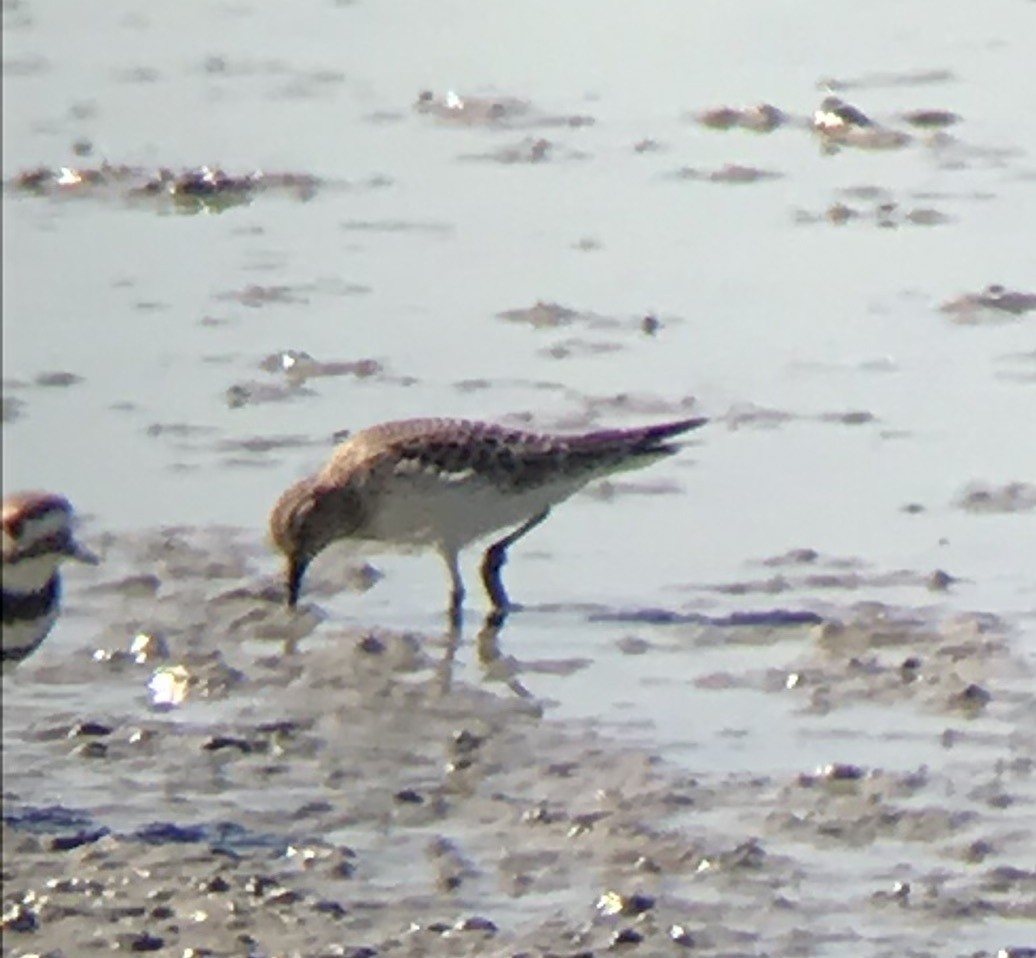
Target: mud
528, 150
203, 188
885, 215
733, 173
286, 785
993, 304
493, 111
981, 497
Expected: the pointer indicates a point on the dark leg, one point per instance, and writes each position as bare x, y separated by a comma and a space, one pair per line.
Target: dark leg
456, 610
496, 557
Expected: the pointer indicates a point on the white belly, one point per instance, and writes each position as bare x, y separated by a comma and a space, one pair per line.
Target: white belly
427, 509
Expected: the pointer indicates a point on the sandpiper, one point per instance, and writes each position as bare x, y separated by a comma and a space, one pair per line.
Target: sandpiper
445, 483
37, 531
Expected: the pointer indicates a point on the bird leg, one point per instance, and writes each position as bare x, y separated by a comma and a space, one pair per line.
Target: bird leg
496, 557
455, 611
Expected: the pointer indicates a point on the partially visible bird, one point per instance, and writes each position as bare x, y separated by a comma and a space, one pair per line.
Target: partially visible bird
37, 537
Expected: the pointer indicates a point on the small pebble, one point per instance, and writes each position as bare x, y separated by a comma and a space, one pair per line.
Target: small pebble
840, 772
19, 917
476, 923
141, 942
217, 742
146, 647
910, 664
465, 741
372, 645
973, 697
681, 936
627, 936
614, 903
410, 796
87, 728
328, 907
259, 885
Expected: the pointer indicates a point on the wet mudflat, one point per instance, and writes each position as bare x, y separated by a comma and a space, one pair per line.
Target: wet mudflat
772, 697
211, 773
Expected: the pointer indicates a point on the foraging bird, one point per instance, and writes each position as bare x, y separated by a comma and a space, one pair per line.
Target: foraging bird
445, 483
37, 536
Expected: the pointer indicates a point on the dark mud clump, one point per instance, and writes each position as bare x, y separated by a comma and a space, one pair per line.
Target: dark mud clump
296, 364
548, 315
11, 409
542, 315
552, 316
994, 304
528, 150
59, 379
931, 119
492, 111
884, 213
761, 118
806, 570
732, 173
190, 190
1010, 497
255, 295
253, 393
297, 368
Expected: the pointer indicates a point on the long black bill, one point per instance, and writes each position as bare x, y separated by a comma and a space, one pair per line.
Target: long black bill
296, 570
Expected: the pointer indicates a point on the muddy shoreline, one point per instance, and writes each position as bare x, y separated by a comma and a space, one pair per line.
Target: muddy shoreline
277, 786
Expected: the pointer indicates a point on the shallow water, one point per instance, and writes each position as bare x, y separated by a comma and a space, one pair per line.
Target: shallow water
852, 413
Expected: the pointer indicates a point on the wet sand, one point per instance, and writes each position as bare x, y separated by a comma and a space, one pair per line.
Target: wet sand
259, 783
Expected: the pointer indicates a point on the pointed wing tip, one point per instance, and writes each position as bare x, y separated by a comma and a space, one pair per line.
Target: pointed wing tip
686, 425
668, 429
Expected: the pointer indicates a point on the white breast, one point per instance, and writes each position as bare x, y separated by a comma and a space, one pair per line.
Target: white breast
423, 507
30, 575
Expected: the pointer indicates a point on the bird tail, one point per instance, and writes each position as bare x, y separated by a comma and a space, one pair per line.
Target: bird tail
641, 440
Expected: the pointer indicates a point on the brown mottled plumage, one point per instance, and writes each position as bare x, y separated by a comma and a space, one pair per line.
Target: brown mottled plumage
445, 483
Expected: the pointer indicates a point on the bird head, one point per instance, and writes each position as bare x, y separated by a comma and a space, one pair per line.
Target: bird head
41, 525
306, 519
